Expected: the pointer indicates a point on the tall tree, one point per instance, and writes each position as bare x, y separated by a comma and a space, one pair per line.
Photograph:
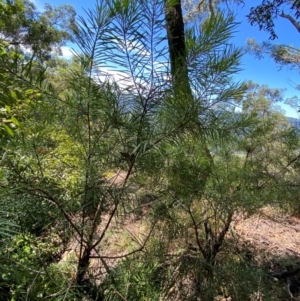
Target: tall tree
265, 15
28, 40
41, 33
267, 12
200, 9
177, 44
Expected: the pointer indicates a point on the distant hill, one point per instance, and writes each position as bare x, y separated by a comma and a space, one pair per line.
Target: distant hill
295, 122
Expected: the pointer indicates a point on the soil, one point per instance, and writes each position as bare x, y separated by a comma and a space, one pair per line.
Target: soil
273, 241
271, 231
273, 238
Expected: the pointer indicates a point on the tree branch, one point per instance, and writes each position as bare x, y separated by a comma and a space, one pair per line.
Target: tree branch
130, 253
291, 19
287, 274
51, 199
196, 233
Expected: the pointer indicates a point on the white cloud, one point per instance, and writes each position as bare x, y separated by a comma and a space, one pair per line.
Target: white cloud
105, 74
138, 48
66, 52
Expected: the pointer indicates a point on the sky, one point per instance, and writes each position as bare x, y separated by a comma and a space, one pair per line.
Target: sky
266, 71
262, 71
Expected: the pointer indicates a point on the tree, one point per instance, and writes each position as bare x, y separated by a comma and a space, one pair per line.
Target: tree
176, 41
72, 139
251, 163
195, 9
264, 16
25, 28
28, 40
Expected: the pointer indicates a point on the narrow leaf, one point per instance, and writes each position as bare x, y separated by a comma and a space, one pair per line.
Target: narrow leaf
8, 130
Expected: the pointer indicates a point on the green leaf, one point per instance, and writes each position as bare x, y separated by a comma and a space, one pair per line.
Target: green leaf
15, 121
7, 108
13, 94
29, 92
8, 130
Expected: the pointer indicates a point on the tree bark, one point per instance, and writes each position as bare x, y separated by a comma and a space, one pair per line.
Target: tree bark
83, 265
291, 19
176, 42
178, 59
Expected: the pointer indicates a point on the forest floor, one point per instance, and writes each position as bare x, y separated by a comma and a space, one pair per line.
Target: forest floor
273, 232
271, 238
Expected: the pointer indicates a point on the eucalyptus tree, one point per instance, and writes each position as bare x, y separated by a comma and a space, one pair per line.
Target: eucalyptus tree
23, 27
266, 13
28, 39
200, 9
264, 16
277, 150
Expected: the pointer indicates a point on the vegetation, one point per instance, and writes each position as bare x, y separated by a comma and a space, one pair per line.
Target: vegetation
126, 187
264, 16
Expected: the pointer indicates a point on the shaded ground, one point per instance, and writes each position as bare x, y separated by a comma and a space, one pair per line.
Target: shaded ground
272, 237
273, 241
273, 232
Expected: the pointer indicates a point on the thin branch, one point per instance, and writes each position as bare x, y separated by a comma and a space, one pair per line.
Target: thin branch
49, 197
287, 274
280, 171
197, 233
113, 212
89, 147
132, 252
199, 5
222, 233
291, 19
211, 7
39, 163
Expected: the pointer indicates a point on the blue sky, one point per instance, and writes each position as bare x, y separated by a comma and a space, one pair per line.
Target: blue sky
263, 71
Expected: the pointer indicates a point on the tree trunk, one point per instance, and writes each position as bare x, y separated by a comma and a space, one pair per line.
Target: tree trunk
177, 47
83, 264
178, 61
